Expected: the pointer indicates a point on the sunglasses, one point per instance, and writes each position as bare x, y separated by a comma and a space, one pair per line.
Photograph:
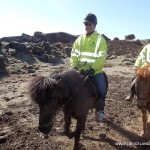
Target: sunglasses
88, 24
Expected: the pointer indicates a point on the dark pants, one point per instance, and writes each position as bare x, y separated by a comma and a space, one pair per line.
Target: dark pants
101, 85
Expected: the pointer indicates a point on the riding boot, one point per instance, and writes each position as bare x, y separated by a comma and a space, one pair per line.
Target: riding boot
132, 91
101, 84
100, 115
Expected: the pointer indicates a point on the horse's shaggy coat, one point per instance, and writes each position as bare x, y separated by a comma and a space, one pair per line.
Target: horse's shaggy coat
142, 88
69, 90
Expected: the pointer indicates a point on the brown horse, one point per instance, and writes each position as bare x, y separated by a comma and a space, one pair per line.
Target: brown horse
142, 88
69, 90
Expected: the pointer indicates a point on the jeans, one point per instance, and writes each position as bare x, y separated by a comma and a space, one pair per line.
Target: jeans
101, 85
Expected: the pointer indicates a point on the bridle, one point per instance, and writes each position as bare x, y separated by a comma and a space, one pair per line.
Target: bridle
146, 100
141, 99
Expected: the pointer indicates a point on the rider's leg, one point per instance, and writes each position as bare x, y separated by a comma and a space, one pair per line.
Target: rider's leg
101, 85
132, 90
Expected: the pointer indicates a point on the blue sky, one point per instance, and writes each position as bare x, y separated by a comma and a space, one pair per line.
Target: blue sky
116, 18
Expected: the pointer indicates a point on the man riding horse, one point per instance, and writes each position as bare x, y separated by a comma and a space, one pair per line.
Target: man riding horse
142, 60
88, 55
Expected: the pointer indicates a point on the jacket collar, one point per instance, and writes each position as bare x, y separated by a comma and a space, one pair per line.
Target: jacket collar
94, 32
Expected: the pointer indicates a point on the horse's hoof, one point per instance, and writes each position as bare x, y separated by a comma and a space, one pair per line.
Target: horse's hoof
62, 133
46, 136
102, 136
146, 136
142, 134
76, 148
71, 135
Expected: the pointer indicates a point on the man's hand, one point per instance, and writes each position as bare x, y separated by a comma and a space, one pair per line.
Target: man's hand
75, 68
82, 71
87, 72
90, 71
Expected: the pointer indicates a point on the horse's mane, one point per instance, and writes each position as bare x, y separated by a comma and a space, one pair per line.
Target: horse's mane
37, 87
44, 86
69, 78
144, 72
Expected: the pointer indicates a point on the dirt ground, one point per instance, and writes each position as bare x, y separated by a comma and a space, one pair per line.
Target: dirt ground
19, 117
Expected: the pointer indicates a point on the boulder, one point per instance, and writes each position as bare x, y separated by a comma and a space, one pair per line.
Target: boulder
130, 37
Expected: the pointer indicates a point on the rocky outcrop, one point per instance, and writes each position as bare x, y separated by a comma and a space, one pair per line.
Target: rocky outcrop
22, 52
123, 47
39, 37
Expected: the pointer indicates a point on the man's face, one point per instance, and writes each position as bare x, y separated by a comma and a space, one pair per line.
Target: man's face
89, 27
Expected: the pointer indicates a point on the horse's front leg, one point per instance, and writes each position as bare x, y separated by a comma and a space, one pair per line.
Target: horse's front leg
67, 119
80, 126
144, 119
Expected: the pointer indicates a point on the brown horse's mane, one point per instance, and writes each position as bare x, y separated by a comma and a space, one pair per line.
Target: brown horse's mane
144, 72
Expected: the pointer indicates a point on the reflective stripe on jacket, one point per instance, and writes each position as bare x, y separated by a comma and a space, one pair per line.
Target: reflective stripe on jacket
89, 51
144, 57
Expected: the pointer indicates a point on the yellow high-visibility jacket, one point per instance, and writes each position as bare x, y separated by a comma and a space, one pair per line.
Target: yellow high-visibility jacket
143, 58
89, 52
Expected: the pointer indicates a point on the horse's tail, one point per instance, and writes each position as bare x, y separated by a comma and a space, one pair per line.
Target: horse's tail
40, 88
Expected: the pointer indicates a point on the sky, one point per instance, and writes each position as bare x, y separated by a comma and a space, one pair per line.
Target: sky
116, 18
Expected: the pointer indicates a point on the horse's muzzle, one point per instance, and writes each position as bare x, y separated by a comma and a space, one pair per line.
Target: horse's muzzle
141, 107
45, 129
141, 103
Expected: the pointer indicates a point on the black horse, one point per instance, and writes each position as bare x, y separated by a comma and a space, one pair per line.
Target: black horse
69, 90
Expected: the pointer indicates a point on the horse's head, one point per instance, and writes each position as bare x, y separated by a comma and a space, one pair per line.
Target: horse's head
142, 86
48, 108
45, 92
46, 115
